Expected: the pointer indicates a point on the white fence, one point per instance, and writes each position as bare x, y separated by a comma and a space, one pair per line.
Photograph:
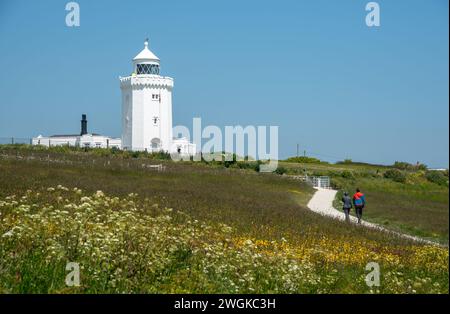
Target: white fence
320, 182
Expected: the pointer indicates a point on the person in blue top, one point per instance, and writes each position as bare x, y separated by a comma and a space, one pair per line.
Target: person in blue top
359, 201
346, 206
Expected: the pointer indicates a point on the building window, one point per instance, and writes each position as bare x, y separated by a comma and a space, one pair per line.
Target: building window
155, 120
147, 69
155, 144
155, 96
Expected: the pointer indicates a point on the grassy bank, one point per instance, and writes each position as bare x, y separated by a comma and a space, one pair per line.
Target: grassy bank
414, 205
191, 228
419, 209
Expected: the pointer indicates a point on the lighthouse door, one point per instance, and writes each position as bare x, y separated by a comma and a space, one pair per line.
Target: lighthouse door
155, 144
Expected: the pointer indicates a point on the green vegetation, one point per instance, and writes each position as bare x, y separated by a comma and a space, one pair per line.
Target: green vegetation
438, 177
194, 227
413, 200
395, 175
305, 159
407, 166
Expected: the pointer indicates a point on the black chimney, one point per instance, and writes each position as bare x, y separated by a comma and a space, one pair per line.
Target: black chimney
83, 125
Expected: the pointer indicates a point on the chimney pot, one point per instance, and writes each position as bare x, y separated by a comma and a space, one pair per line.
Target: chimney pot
83, 125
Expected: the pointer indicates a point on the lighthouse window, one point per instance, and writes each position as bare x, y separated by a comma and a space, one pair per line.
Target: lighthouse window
147, 69
155, 96
155, 144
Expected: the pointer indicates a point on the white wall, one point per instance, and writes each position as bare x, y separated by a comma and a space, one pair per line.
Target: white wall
187, 148
143, 107
127, 117
80, 141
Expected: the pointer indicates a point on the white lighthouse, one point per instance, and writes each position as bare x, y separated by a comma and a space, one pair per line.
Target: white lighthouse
147, 108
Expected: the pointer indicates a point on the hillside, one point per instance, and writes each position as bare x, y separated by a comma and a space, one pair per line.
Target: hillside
193, 228
405, 200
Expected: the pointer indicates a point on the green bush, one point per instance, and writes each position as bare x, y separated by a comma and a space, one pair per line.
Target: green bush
305, 160
402, 165
135, 154
395, 175
160, 155
347, 174
318, 173
333, 173
253, 165
437, 177
101, 152
281, 170
422, 167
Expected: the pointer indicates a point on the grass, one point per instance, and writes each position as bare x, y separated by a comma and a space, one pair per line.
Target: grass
417, 207
420, 209
193, 228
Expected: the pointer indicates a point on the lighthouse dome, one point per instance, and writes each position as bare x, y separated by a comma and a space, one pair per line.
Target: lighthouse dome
146, 62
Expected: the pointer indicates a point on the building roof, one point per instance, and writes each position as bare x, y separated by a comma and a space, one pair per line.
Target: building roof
73, 135
146, 54
65, 135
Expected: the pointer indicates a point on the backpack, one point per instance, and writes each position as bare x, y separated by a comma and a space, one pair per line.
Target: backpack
359, 199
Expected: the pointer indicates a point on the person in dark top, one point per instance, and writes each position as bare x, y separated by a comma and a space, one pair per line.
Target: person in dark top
347, 205
359, 201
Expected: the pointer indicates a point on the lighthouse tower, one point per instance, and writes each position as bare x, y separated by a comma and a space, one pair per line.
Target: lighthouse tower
146, 105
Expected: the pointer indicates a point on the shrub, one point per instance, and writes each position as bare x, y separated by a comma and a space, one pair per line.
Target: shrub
254, 165
135, 154
304, 159
422, 167
101, 152
219, 158
396, 175
347, 174
160, 155
437, 177
281, 170
333, 173
402, 165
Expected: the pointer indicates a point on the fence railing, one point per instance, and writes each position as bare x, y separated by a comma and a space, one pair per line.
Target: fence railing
323, 182
16, 140
50, 158
320, 182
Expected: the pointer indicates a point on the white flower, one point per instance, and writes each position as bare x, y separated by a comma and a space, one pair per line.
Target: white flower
10, 233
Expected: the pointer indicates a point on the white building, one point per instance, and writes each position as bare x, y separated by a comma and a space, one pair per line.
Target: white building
84, 139
146, 114
147, 108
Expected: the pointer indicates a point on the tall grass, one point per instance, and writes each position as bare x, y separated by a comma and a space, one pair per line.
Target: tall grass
230, 230
122, 246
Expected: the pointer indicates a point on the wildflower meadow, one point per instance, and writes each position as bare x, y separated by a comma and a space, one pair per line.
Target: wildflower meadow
126, 246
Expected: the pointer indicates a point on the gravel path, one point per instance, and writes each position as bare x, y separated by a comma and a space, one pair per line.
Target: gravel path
322, 203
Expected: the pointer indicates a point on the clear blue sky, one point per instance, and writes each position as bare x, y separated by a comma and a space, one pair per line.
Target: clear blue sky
331, 84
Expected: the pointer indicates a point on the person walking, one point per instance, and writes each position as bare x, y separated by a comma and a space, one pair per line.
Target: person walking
347, 206
359, 201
